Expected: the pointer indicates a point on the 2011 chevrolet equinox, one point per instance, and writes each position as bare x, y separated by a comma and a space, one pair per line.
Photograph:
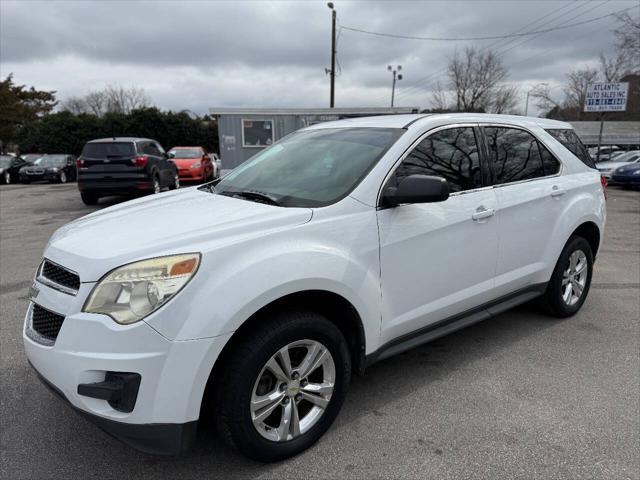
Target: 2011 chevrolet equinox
340, 245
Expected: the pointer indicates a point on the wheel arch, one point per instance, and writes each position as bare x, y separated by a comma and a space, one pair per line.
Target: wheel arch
336, 308
591, 233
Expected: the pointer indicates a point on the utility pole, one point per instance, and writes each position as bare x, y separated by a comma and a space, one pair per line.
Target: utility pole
333, 53
399, 77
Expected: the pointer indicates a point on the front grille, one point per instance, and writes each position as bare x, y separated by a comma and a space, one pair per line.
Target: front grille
60, 275
46, 323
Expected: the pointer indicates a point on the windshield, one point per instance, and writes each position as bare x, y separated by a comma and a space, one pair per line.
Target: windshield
108, 149
627, 157
51, 161
311, 168
5, 161
186, 152
31, 157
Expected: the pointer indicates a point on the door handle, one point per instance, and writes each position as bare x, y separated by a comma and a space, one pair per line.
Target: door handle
483, 212
557, 191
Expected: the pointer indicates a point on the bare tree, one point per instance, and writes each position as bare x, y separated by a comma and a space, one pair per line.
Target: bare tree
476, 80
576, 89
96, 102
75, 105
439, 98
124, 100
505, 99
628, 42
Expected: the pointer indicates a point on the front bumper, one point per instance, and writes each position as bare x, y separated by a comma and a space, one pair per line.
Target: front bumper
191, 174
156, 439
35, 177
173, 374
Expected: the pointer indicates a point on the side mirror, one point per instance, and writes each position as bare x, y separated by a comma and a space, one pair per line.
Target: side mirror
171, 155
417, 189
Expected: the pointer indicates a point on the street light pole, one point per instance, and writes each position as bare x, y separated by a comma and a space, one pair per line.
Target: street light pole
333, 54
393, 85
526, 105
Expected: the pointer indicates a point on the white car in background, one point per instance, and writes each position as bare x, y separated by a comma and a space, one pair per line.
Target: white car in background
338, 246
626, 158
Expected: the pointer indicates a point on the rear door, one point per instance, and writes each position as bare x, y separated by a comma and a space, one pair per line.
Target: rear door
438, 259
531, 196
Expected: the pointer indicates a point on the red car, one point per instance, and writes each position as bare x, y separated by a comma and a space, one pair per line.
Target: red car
194, 164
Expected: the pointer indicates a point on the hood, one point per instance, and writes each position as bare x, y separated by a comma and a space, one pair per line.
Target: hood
186, 162
187, 220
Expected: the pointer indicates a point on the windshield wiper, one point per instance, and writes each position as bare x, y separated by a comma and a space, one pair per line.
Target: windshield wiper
253, 195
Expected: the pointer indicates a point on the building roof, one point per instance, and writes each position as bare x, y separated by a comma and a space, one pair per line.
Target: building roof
313, 111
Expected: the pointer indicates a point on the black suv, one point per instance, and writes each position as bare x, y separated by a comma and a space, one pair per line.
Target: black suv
124, 166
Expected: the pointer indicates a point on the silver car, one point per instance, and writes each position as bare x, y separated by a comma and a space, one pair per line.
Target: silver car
607, 168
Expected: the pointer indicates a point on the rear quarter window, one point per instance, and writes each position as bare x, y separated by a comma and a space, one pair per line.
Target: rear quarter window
569, 139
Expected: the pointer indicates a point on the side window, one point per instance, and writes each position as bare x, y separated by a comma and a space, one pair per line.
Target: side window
451, 154
550, 165
149, 148
159, 148
145, 148
513, 154
570, 140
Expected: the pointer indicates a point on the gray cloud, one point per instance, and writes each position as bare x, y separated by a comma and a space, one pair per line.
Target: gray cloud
197, 54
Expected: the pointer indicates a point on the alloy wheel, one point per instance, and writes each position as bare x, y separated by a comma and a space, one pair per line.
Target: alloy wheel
293, 390
7, 178
176, 182
156, 185
63, 177
574, 277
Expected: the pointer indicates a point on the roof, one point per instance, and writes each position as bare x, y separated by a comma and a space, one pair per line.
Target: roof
120, 139
313, 111
405, 121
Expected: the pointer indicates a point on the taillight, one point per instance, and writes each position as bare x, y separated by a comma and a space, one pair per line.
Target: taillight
140, 161
79, 162
603, 182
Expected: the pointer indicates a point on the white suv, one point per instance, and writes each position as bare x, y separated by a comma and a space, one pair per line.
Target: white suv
255, 297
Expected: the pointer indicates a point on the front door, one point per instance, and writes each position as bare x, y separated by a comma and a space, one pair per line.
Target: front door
438, 259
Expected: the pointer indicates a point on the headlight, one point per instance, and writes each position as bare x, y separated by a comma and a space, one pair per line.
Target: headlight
131, 292
196, 165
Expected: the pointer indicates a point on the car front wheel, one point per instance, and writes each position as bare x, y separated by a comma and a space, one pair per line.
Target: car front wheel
7, 177
282, 385
62, 178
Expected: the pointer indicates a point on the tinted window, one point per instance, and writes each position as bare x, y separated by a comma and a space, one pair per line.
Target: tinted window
513, 154
451, 154
569, 139
108, 149
550, 164
312, 168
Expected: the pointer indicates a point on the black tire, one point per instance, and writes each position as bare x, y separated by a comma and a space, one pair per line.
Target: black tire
175, 184
89, 198
155, 179
239, 374
552, 301
62, 178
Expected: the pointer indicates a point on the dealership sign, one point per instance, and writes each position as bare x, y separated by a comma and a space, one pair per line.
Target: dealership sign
606, 97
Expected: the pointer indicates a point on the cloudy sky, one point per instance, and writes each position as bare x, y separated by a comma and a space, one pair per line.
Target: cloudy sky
200, 54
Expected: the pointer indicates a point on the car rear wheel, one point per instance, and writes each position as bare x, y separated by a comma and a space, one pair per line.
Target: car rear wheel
89, 198
176, 182
156, 184
569, 285
282, 385
7, 177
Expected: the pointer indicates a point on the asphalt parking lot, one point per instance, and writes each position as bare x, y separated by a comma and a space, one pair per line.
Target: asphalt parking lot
520, 395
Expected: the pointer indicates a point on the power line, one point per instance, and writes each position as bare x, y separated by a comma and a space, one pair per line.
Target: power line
494, 37
420, 83
424, 86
